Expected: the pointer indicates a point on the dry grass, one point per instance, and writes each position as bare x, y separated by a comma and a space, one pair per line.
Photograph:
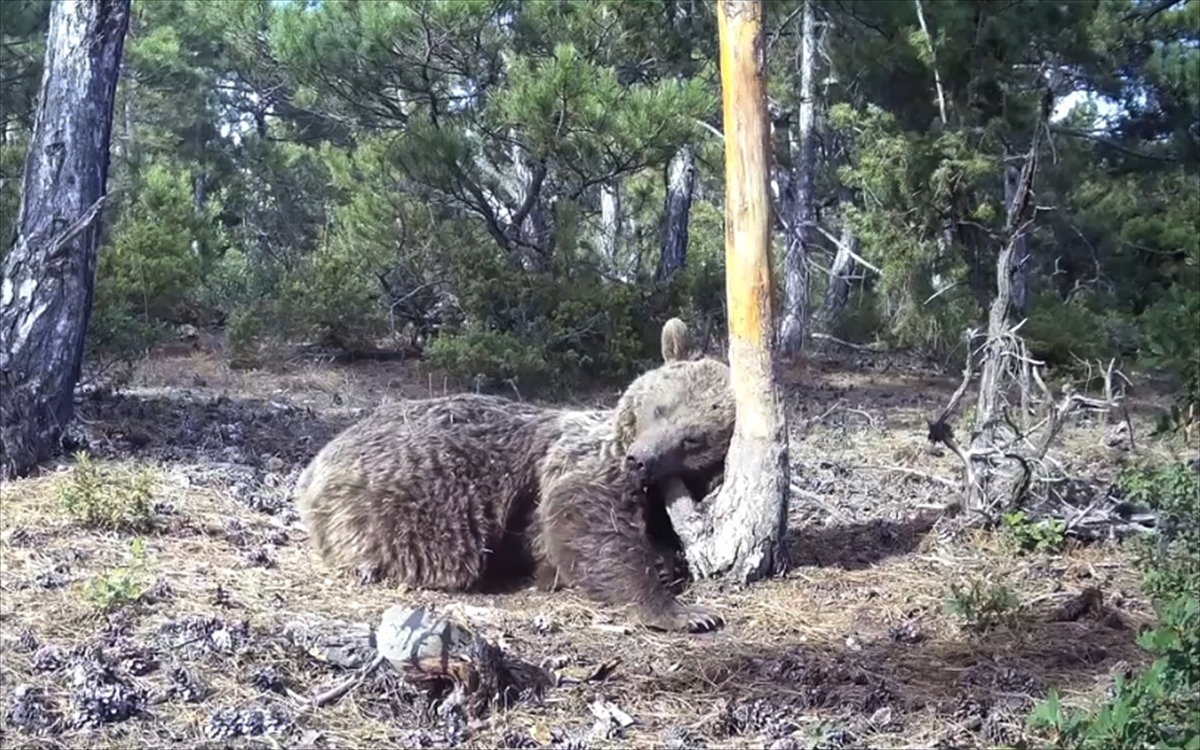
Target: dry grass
854, 645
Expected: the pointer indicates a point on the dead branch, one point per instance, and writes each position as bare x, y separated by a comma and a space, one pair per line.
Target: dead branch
839, 342
342, 688
911, 472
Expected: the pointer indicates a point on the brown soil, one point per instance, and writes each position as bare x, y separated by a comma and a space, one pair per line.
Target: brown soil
853, 647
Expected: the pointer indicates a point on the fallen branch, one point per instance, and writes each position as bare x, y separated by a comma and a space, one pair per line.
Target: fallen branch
339, 690
911, 472
839, 342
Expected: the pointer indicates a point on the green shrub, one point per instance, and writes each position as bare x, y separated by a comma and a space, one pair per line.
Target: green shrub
108, 498
1155, 709
116, 339
333, 299
982, 606
1057, 332
150, 266
244, 333
1158, 707
1045, 536
1170, 563
496, 356
1172, 335
121, 586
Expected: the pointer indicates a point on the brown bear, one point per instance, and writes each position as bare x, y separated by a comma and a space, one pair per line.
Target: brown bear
602, 518
463, 492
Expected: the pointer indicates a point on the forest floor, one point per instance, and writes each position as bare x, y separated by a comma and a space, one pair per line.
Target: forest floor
853, 647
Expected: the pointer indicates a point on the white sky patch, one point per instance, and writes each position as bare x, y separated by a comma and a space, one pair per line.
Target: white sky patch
1106, 109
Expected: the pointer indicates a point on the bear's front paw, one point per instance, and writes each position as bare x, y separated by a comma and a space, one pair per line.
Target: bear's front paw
682, 617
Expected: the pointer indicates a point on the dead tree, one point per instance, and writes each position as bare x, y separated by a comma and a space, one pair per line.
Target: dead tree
741, 527
802, 222
46, 291
837, 289
1006, 456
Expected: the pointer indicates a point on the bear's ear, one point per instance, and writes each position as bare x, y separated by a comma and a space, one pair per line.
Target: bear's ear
674, 341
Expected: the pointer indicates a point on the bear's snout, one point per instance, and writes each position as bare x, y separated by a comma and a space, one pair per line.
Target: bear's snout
640, 467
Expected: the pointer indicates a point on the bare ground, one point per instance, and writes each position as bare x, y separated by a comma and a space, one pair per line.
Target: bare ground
853, 647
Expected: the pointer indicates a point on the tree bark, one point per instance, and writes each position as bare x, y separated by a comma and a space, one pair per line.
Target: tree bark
611, 221
741, 527
837, 291
681, 183
47, 286
801, 228
1020, 259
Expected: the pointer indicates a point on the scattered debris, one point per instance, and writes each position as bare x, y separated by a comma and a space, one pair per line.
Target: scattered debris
610, 720
31, 710
186, 686
438, 653
100, 694
1090, 600
248, 722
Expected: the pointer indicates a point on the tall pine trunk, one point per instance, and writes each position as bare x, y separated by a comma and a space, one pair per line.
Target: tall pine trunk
741, 529
681, 184
803, 220
46, 292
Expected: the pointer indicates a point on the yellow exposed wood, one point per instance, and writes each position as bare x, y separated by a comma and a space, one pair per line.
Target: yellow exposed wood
747, 197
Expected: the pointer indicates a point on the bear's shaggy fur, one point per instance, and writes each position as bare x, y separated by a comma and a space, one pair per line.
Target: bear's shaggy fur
463, 492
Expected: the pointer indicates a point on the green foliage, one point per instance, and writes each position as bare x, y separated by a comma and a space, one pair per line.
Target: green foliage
332, 298
1045, 536
982, 606
358, 174
1062, 333
150, 268
493, 355
1157, 707
1171, 564
922, 293
108, 498
1172, 326
541, 329
117, 339
120, 586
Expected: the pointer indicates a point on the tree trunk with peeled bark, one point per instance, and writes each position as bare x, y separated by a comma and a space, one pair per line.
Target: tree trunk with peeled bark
681, 184
47, 285
803, 220
837, 291
740, 529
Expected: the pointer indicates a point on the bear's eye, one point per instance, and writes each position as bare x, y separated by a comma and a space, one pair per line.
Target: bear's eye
691, 443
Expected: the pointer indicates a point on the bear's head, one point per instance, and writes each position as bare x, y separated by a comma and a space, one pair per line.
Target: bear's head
677, 419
